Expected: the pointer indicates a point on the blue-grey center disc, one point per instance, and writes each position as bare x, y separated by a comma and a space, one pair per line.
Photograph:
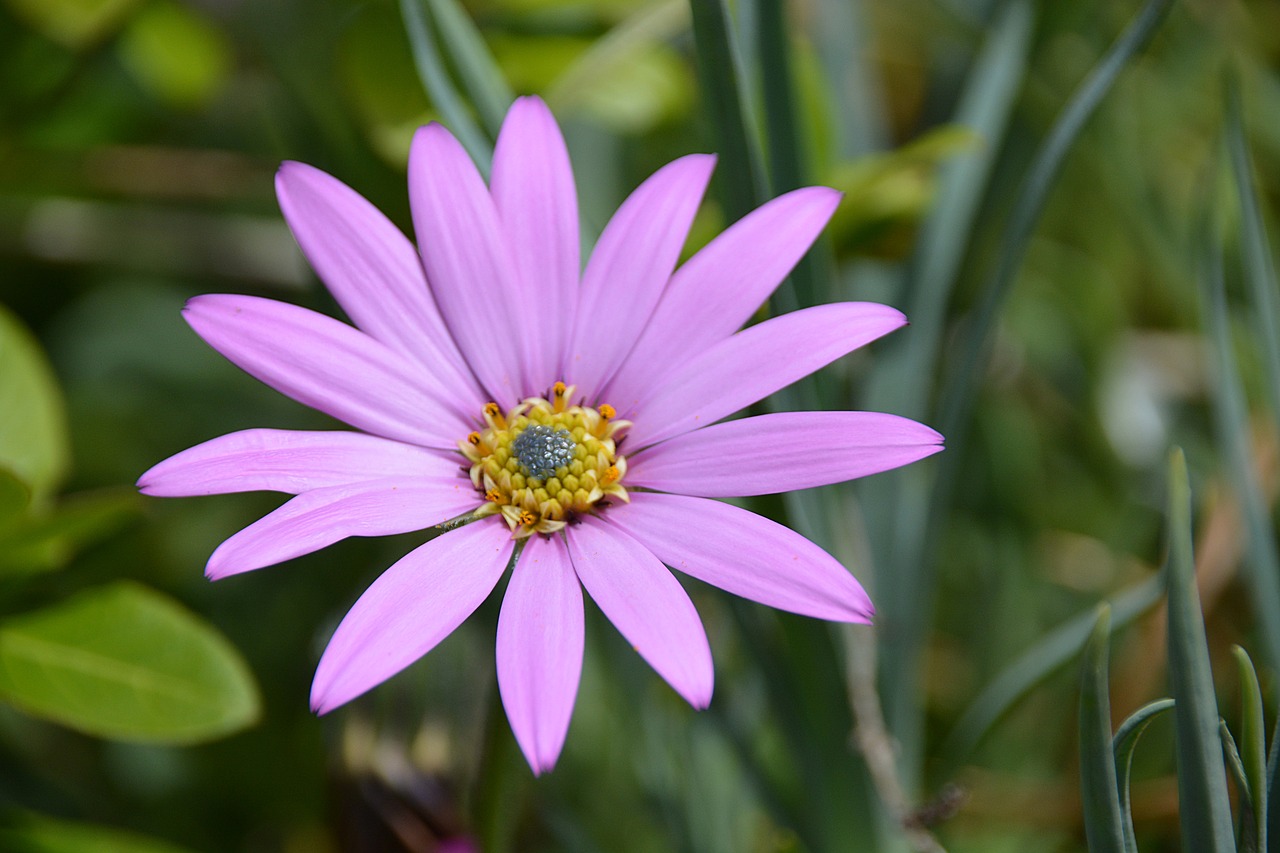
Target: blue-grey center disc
540, 450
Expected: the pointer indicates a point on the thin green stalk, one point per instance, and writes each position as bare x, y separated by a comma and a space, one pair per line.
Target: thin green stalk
1098, 793
1204, 808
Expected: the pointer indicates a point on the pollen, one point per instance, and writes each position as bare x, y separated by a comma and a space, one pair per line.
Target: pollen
546, 462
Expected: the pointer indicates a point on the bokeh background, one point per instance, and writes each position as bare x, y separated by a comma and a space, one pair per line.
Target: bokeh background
1064, 350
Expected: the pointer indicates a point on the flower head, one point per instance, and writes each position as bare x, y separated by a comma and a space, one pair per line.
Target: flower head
573, 421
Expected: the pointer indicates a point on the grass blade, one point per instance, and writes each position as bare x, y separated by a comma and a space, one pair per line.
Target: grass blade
614, 50
841, 34
1232, 415
1098, 794
896, 503
1203, 806
1273, 778
787, 167
439, 87
1123, 746
1034, 193
1253, 753
480, 76
741, 181
1260, 272
984, 108
1044, 658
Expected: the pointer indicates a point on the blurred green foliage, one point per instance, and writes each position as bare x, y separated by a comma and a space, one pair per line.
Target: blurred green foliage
137, 144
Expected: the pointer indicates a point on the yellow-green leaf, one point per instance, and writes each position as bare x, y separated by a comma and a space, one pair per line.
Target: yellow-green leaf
125, 662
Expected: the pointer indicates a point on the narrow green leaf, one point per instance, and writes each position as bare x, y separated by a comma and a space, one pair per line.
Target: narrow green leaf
481, 77
1100, 799
1253, 753
787, 167
781, 124
33, 431
741, 175
622, 45
1231, 756
1260, 271
900, 516
440, 88
38, 834
1232, 415
1273, 779
125, 662
990, 92
841, 32
1235, 765
1123, 746
1032, 196
1203, 806
1052, 651
47, 541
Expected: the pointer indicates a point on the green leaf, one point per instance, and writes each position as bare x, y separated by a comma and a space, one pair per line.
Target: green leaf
1262, 569
611, 55
440, 88
33, 431
1032, 196
176, 53
39, 834
1236, 766
1253, 753
1123, 746
1038, 662
1260, 271
1204, 808
1100, 799
1273, 779
47, 541
741, 180
989, 94
885, 190
899, 505
125, 662
485, 85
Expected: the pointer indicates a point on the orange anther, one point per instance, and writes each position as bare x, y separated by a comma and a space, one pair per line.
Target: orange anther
493, 495
474, 438
559, 388
607, 411
527, 518
610, 475
492, 410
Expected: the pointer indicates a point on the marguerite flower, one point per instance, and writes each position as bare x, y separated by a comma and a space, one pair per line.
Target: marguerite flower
574, 419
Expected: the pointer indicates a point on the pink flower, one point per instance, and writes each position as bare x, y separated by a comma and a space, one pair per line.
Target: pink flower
571, 417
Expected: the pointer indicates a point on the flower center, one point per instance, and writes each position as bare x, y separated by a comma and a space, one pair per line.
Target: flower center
540, 450
544, 462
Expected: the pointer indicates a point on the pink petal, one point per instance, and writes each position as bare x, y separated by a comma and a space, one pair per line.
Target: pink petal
327, 365
646, 604
540, 649
630, 267
781, 452
408, 610
375, 274
533, 190
743, 553
717, 290
275, 460
468, 263
316, 519
751, 365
